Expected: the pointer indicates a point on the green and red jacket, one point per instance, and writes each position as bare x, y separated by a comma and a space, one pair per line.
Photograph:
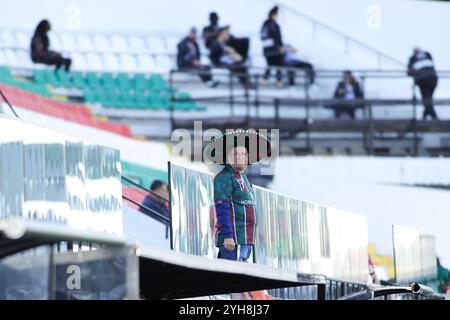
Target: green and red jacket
235, 204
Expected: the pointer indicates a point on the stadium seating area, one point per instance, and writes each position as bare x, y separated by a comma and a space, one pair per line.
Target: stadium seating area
79, 113
121, 90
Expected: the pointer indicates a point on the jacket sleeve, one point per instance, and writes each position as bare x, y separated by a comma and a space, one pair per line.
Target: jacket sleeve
223, 188
183, 55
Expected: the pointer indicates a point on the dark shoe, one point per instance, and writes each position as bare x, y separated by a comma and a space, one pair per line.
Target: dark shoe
212, 84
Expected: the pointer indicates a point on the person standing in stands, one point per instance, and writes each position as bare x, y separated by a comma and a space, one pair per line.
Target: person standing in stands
222, 55
234, 196
348, 90
279, 55
210, 33
188, 58
40, 52
156, 200
421, 68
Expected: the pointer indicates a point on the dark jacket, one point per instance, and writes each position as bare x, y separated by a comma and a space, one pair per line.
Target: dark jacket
271, 38
185, 56
210, 40
339, 93
39, 45
421, 66
340, 90
156, 206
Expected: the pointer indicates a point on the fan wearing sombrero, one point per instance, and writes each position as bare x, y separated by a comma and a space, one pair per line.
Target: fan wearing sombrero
234, 197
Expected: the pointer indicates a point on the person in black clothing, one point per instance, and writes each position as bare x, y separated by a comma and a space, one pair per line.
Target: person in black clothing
222, 55
348, 90
210, 33
156, 201
188, 58
40, 52
421, 68
279, 55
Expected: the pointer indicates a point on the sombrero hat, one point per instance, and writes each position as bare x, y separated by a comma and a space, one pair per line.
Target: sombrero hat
258, 146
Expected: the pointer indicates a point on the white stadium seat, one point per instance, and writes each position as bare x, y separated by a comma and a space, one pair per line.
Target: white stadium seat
111, 62
146, 63
55, 41
119, 43
85, 43
23, 40
78, 62
68, 42
94, 62
163, 64
256, 48
258, 61
3, 61
24, 59
128, 63
171, 45
136, 44
102, 44
11, 58
155, 45
7, 39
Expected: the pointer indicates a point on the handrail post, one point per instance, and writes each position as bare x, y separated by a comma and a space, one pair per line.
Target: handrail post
276, 103
308, 137
414, 120
371, 131
230, 77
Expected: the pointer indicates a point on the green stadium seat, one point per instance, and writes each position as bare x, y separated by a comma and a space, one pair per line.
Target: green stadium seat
124, 82
141, 82
39, 76
158, 83
64, 78
5, 75
51, 78
108, 80
91, 96
92, 80
78, 80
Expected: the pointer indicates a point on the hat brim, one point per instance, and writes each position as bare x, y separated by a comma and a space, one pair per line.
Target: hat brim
258, 146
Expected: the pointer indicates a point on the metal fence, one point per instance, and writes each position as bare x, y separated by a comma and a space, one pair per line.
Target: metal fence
291, 233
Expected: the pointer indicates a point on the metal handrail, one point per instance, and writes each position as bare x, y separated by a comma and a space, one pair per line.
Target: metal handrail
140, 205
143, 188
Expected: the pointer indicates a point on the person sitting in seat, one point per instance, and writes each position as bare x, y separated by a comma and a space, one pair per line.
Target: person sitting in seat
224, 56
156, 201
279, 55
40, 52
348, 90
188, 58
210, 33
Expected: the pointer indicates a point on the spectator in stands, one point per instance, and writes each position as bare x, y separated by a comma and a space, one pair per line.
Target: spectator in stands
348, 90
157, 201
421, 68
222, 55
279, 55
234, 196
188, 58
210, 33
40, 52
231, 184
